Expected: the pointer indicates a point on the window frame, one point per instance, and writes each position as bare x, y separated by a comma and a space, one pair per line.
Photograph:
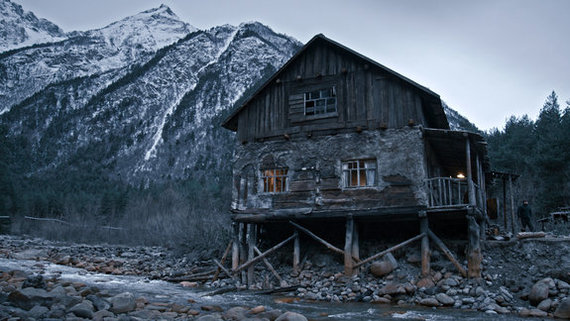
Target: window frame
352, 169
309, 97
279, 178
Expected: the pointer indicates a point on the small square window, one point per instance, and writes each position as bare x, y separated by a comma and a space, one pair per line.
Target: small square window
359, 173
274, 180
320, 102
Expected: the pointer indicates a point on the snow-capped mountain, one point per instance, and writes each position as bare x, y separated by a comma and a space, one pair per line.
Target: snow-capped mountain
19, 28
141, 98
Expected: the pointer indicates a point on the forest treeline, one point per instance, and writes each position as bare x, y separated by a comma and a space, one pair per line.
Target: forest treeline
538, 151
96, 206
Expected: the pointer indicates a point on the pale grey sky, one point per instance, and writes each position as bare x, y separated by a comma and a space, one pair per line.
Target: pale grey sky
488, 59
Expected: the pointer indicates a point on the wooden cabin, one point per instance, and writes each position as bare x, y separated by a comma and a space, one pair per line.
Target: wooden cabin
336, 135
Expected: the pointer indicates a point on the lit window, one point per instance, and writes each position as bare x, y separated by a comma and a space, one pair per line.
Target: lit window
322, 101
274, 180
359, 173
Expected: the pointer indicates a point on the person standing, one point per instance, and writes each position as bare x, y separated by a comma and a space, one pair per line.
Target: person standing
525, 215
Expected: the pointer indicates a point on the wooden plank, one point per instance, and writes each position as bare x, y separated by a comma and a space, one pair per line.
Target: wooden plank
302, 185
360, 93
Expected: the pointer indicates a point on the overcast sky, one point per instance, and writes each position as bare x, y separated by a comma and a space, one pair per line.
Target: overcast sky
488, 59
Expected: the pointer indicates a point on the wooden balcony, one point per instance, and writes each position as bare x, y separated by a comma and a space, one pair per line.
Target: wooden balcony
448, 192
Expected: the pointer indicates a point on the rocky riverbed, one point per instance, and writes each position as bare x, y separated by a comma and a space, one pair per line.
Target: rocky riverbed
520, 277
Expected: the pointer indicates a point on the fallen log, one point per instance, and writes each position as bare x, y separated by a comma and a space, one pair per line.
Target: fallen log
528, 235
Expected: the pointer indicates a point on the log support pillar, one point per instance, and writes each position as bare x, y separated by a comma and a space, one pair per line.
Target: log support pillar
425, 243
474, 256
235, 246
251, 241
348, 263
355, 246
242, 251
296, 252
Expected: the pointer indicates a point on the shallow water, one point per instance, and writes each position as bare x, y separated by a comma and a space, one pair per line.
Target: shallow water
161, 291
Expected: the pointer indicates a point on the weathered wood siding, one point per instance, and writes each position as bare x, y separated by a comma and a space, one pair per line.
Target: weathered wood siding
315, 171
367, 97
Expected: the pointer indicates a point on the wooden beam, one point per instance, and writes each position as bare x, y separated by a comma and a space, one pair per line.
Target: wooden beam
447, 253
470, 187
348, 264
425, 243
221, 266
250, 254
513, 220
356, 246
264, 254
235, 246
296, 252
222, 261
325, 243
393, 248
474, 256
269, 266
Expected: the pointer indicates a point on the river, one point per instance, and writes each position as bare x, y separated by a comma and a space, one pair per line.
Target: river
161, 291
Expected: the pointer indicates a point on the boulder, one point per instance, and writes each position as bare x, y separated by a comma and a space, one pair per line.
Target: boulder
430, 302
445, 299
538, 293
257, 309
545, 305
122, 303
425, 283
209, 317
34, 281
83, 309
38, 312
563, 310
235, 314
381, 268
291, 316
392, 289
102, 314
29, 297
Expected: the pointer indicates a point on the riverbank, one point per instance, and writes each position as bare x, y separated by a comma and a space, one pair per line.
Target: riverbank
520, 277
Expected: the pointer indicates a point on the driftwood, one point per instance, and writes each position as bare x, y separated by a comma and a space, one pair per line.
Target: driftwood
269, 266
264, 254
447, 252
222, 261
220, 291
393, 248
527, 235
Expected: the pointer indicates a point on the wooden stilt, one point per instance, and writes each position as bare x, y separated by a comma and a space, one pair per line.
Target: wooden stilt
348, 264
250, 254
235, 246
425, 243
474, 256
355, 246
296, 252
447, 252
513, 220
242, 251
269, 266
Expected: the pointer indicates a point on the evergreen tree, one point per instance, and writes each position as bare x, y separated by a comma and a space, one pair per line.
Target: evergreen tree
550, 155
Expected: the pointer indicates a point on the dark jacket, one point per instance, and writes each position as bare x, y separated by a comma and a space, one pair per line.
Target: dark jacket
524, 211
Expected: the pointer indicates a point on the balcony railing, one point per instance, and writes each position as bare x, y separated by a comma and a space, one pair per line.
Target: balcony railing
449, 192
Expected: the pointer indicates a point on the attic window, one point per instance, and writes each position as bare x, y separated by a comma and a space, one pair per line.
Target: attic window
322, 101
274, 180
359, 173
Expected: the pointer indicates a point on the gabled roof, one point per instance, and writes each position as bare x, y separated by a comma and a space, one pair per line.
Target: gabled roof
437, 113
